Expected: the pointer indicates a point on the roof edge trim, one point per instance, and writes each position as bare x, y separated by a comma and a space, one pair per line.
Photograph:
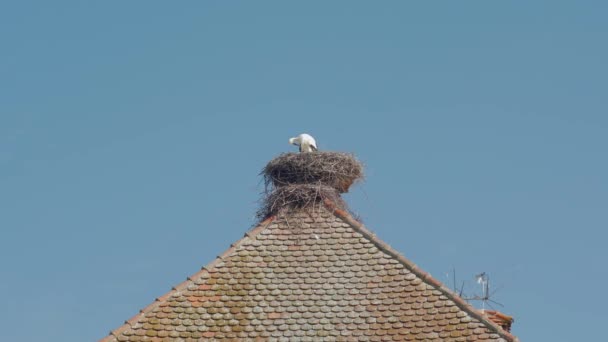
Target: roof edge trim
250, 234
425, 276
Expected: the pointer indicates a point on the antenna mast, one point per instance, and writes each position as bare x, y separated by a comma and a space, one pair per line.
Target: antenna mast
483, 279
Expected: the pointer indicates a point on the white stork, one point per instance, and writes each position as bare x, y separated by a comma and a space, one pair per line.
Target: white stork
306, 142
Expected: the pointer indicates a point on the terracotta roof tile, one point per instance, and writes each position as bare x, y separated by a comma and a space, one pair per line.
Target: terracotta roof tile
310, 278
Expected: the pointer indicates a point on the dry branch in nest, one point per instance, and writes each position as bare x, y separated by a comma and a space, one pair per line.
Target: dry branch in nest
334, 169
296, 197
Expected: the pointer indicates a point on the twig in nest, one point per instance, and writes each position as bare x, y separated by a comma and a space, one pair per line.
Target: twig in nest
296, 197
333, 169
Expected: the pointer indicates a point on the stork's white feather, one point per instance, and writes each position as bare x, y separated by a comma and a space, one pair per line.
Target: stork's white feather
306, 142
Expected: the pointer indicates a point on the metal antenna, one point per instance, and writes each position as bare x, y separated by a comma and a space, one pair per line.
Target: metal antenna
461, 289
483, 279
454, 278
454, 283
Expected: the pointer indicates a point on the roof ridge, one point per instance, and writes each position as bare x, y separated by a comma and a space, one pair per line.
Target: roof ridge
183, 285
423, 275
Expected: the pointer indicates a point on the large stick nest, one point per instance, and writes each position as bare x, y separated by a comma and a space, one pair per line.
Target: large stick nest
334, 169
303, 181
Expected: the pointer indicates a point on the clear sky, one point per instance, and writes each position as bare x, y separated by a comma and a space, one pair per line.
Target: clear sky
132, 134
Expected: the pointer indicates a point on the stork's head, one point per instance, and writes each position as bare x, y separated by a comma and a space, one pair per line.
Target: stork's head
294, 141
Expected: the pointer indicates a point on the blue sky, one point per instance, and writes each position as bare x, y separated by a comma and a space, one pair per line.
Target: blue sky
132, 134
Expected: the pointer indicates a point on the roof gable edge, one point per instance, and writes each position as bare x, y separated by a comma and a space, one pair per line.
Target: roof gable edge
177, 288
423, 275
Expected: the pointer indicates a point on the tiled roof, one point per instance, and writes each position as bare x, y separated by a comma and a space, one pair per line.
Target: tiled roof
319, 277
